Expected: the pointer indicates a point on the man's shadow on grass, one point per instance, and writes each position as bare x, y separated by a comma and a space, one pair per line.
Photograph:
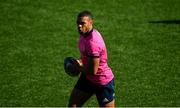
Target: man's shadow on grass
165, 22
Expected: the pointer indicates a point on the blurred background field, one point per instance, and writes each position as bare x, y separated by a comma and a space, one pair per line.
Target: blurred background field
142, 38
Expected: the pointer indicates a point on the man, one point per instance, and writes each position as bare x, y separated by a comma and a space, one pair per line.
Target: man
96, 77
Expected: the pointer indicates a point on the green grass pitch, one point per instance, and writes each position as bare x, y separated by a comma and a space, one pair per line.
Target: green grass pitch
142, 38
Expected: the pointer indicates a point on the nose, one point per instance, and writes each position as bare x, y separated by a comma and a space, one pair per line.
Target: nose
79, 25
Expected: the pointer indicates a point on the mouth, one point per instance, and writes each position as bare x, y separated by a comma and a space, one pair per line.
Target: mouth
80, 30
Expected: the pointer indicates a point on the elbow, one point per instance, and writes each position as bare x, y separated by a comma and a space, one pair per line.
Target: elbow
92, 72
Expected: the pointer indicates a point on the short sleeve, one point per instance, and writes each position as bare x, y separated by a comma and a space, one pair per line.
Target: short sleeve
93, 48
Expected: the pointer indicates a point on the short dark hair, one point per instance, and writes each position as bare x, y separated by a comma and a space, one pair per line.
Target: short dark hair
85, 13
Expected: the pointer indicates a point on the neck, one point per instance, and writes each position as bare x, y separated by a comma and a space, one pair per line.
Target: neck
87, 33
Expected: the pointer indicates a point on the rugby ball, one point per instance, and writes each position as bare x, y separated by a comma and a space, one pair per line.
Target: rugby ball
70, 66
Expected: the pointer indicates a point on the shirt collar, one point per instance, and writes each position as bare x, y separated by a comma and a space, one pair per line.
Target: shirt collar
88, 33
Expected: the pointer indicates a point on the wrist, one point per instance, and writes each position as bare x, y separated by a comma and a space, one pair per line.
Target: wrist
81, 67
82, 70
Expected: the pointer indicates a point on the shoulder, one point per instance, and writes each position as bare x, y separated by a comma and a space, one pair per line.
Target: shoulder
95, 39
95, 33
95, 36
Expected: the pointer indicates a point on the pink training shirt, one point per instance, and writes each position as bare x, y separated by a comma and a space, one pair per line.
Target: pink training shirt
93, 45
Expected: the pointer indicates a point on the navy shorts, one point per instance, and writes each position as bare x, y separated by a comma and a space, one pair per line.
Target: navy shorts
104, 93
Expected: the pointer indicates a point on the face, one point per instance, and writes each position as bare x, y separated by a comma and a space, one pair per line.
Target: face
84, 24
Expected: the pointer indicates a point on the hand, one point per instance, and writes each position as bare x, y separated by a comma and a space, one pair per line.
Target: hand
80, 62
80, 66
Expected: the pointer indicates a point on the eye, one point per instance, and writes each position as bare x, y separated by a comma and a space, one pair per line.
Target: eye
81, 23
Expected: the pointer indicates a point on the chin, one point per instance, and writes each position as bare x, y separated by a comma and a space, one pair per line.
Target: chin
82, 33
